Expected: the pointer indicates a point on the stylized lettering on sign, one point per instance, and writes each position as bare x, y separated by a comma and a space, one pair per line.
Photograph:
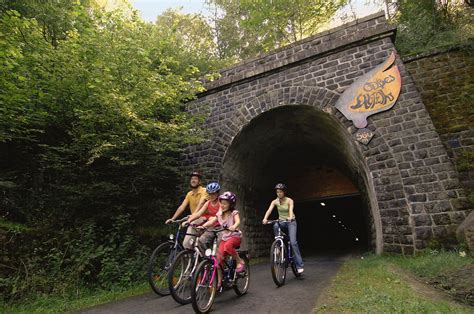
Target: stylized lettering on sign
374, 92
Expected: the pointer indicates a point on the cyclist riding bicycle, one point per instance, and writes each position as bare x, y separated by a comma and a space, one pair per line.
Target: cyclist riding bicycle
231, 238
206, 212
194, 199
285, 206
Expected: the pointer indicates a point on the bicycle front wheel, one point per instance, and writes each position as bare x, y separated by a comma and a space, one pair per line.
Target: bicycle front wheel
204, 287
277, 262
160, 262
180, 277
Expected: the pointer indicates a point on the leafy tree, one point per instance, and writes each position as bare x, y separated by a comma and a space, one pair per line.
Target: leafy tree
188, 37
91, 128
427, 24
246, 28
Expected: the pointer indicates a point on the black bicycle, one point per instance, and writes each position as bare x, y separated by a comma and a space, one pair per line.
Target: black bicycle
205, 279
181, 273
281, 256
162, 258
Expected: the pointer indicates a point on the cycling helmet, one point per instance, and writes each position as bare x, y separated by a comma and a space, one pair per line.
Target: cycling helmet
280, 186
213, 187
229, 196
195, 174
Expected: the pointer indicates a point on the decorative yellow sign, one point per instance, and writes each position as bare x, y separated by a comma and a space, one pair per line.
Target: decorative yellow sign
374, 92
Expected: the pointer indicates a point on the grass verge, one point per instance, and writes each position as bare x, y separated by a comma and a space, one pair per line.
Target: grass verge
68, 303
84, 299
373, 285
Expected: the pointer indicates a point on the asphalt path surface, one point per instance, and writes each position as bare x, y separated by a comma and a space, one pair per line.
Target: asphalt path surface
298, 295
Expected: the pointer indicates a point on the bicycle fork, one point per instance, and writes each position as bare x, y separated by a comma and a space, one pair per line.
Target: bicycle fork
282, 245
214, 270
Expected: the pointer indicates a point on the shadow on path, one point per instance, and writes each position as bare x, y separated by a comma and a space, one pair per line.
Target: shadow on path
298, 295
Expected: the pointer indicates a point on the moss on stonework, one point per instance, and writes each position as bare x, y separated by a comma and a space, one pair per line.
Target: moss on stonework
465, 160
455, 114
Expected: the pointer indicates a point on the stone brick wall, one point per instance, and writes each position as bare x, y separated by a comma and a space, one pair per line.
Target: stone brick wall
411, 186
445, 79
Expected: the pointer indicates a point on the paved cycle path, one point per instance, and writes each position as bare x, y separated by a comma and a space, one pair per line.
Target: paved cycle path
298, 295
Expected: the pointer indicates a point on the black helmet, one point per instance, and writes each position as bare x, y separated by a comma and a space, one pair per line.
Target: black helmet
280, 186
195, 174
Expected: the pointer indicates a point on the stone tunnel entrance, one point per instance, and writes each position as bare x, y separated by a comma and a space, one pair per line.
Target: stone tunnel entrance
309, 150
274, 118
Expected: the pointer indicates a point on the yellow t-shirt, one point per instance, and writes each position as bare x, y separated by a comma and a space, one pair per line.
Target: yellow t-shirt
192, 199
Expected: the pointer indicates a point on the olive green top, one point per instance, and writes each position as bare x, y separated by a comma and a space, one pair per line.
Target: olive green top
283, 210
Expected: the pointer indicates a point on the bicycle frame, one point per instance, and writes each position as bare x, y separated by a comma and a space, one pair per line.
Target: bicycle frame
280, 237
216, 264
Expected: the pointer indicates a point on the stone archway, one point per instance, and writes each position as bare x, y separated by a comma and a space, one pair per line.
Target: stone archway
408, 183
285, 141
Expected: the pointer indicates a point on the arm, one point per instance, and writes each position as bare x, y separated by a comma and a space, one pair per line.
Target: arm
178, 211
291, 204
203, 200
199, 213
210, 223
268, 212
236, 222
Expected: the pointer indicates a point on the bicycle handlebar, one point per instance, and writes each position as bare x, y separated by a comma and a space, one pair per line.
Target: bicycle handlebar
278, 221
180, 220
217, 230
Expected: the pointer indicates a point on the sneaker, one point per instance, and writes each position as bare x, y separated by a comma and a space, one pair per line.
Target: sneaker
240, 268
300, 270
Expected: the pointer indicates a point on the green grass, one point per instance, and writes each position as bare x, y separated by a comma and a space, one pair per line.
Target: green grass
67, 303
432, 263
372, 285
87, 298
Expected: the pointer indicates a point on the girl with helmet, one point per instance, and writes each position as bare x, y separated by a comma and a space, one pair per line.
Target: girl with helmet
285, 206
231, 238
208, 210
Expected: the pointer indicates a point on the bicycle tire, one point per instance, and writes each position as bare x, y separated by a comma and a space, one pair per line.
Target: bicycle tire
294, 269
180, 277
243, 279
158, 266
278, 268
204, 287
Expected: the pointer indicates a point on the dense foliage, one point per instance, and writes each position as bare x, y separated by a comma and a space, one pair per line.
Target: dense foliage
245, 28
428, 24
91, 129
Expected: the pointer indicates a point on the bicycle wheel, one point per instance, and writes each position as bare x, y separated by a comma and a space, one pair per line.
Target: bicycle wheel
180, 277
204, 287
278, 264
242, 280
294, 269
160, 262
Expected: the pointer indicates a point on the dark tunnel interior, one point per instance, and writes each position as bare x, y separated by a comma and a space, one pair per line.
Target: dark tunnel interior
294, 144
336, 224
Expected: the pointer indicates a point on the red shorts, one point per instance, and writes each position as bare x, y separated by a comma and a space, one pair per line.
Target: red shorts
228, 247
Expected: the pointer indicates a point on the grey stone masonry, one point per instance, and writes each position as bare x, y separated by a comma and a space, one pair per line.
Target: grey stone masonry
412, 187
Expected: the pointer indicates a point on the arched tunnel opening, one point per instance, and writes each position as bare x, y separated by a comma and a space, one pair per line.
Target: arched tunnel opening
312, 152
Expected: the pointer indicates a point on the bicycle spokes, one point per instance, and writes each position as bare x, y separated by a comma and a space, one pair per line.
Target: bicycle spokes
206, 287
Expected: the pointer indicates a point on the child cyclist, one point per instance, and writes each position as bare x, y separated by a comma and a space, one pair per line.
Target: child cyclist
228, 216
284, 206
208, 210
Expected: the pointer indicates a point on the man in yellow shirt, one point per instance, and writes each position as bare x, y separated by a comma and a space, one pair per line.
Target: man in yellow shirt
194, 199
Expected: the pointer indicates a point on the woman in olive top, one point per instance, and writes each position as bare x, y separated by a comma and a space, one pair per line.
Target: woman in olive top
284, 206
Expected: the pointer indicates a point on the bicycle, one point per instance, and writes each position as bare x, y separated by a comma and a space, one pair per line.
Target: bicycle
204, 285
161, 259
281, 256
181, 272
